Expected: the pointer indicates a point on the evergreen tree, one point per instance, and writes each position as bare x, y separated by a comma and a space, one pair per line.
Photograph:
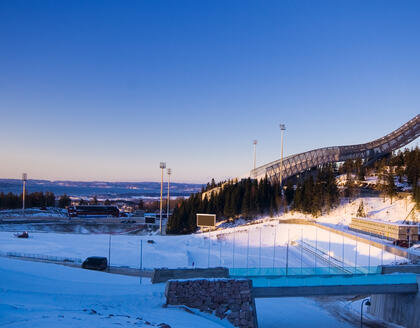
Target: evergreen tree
64, 201
350, 188
361, 210
390, 188
49, 199
289, 193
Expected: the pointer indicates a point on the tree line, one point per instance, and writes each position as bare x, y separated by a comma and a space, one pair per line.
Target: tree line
248, 198
35, 199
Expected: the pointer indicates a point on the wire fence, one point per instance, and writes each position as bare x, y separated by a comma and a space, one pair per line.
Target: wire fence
305, 250
41, 257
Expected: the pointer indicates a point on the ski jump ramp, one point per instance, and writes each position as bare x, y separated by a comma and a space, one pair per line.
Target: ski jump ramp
295, 164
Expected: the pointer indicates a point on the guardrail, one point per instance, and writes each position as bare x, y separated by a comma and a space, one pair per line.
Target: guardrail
303, 271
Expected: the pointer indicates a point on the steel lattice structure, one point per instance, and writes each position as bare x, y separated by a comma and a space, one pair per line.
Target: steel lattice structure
295, 164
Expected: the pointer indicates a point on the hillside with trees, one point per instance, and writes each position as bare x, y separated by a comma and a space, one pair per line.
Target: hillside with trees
315, 192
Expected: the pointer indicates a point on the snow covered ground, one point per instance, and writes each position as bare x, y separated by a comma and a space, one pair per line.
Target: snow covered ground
252, 246
44, 295
40, 295
375, 208
47, 295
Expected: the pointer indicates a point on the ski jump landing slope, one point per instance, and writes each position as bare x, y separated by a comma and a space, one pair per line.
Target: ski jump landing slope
299, 163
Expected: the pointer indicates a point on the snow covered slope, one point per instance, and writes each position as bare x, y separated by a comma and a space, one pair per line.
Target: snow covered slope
375, 208
39, 295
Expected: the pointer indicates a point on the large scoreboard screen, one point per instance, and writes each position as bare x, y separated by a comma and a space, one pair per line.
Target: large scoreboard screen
206, 220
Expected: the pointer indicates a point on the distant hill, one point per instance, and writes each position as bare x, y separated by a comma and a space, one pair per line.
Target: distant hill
101, 189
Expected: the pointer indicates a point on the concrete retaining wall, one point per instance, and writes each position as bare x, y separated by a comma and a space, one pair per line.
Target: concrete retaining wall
403, 310
226, 298
409, 268
165, 274
399, 251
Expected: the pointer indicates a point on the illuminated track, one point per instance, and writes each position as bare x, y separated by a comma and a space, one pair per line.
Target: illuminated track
295, 164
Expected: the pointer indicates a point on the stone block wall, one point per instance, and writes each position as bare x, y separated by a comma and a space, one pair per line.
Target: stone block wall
225, 298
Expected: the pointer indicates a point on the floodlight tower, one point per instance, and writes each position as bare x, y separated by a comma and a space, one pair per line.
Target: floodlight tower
162, 167
24, 179
168, 205
282, 129
255, 155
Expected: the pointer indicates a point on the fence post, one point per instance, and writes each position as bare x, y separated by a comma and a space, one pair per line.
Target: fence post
247, 253
208, 259
141, 254
342, 254
233, 248
316, 247
301, 250
287, 252
382, 253
274, 247
220, 253
109, 252
370, 239
259, 260
329, 252
355, 258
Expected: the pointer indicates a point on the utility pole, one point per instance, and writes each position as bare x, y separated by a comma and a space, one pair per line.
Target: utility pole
255, 156
282, 128
168, 205
24, 179
162, 167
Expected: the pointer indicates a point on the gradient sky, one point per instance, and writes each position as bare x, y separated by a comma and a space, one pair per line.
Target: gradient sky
105, 90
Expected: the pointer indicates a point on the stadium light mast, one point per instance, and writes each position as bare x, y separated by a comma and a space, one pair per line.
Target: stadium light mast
282, 129
168, 205
255, 155
162, 167
24, 179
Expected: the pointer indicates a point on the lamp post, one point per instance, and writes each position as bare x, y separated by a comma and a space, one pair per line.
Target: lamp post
367, 301
162, 167
255, 156
168, 205
24, 179
282, 128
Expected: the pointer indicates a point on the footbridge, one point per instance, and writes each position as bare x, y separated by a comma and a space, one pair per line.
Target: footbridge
295, 164
295, 283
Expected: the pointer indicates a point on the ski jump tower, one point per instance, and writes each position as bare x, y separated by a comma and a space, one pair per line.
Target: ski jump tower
299, 163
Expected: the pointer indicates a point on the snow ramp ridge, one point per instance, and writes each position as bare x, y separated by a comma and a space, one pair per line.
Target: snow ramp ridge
298, 163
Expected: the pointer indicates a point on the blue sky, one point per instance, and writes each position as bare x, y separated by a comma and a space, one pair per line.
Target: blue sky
105, 90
